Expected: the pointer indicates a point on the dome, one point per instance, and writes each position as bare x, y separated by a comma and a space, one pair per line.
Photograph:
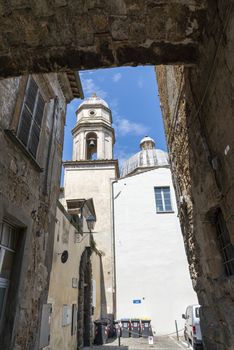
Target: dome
148, 157
147, 143
147, 139
93, 100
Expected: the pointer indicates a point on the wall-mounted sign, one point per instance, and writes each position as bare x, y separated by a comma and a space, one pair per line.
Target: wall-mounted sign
137, 301
74, 282
67, 315
151, 340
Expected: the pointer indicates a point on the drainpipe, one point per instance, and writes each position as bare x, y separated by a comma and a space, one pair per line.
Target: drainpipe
114, 257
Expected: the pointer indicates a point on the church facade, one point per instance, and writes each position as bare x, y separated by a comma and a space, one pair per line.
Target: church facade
152, 274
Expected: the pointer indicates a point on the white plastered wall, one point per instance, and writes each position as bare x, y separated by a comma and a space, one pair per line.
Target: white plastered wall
151, 265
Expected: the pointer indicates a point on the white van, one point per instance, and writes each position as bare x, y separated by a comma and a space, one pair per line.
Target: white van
192, 330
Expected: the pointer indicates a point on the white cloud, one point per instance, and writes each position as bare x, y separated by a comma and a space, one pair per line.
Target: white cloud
116, 77
114, 104
90, 87
124, 126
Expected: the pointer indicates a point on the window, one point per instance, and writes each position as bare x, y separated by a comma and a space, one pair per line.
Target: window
8, 239
226, 247
31, 117
163, 199
197, 312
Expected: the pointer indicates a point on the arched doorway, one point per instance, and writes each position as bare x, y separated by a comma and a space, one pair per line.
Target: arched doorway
84, 325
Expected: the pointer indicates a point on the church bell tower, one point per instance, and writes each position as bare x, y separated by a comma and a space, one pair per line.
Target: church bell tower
93, 134
90, 174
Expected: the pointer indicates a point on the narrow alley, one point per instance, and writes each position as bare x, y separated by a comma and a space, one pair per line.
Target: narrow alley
116, 174
160, 343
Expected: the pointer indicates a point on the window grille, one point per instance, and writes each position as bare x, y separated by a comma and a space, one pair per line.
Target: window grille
163, 199
31, 117
225, 244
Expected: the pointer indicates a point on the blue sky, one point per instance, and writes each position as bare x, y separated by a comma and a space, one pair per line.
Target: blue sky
132, 95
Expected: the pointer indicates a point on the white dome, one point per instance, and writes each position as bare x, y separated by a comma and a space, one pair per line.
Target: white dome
147, 139
145, 159
93, 100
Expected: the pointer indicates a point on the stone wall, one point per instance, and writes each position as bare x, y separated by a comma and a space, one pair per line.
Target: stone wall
52, 35
28, 195
197, 105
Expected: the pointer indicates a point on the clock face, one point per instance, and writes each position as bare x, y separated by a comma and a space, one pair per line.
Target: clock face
92, 112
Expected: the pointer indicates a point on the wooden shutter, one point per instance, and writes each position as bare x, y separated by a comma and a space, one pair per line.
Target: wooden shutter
31, 94
27, 111
36, 126
39, 110
31, 117
34, 139
25, 125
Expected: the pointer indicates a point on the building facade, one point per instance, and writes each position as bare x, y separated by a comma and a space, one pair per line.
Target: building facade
74, 298
32, 117
152, 274
90, 175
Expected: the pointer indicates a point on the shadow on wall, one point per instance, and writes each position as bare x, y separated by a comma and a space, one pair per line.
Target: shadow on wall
84, 319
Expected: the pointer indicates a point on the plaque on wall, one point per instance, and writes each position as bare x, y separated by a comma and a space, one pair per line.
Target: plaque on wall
74, 282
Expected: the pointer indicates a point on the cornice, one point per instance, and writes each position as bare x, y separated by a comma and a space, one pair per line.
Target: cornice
92, 126
91, 105
75, 84
141, 170
70, 85
92, 164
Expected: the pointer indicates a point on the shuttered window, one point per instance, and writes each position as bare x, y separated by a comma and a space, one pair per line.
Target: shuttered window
31, 117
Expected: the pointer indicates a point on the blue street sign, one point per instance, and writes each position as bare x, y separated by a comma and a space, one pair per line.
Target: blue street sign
137, 301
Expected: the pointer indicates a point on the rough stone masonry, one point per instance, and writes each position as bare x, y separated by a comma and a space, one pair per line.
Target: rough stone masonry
44, 36
197, 103
198, 106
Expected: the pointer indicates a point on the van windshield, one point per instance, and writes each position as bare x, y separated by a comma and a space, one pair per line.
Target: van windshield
197, 314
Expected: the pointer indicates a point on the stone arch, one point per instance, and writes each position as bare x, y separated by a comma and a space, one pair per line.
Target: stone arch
84, 321
94, 34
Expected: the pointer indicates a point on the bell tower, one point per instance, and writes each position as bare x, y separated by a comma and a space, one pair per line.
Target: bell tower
90, 174
93, 135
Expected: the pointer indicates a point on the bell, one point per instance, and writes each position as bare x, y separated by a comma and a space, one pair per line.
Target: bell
91, 143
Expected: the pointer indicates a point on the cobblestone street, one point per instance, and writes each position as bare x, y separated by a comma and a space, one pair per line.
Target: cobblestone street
160, 343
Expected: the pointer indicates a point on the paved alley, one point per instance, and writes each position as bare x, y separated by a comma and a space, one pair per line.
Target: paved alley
160, 343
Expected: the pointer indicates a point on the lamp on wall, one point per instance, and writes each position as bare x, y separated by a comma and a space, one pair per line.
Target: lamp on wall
90, 222
90, 225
